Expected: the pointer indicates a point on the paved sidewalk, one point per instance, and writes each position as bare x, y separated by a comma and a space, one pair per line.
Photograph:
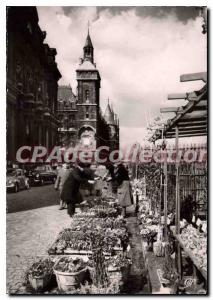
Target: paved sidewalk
29, 234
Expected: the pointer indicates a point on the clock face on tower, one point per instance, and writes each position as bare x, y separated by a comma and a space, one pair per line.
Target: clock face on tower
87, 138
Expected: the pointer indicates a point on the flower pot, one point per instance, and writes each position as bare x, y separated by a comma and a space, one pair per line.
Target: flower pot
91, 271
39, 283
67, 281
118, 274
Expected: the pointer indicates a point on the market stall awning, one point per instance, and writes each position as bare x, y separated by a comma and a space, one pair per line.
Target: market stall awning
190, 119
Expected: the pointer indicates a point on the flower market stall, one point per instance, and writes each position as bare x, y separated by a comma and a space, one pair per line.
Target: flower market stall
188, 178
92, 254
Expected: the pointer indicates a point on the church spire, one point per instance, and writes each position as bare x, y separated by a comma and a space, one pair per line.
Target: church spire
109, 115
88, 48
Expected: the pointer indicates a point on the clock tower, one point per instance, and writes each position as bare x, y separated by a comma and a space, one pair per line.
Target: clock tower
88, 98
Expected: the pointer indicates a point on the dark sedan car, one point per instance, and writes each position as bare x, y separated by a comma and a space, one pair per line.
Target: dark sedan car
43, 174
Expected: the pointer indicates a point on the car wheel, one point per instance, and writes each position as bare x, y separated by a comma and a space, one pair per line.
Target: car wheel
16, 189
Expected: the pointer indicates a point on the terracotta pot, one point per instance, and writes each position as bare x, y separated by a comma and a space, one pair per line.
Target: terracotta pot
67, 281
39, 283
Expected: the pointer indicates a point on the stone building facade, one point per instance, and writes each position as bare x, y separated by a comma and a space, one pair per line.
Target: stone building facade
32, 83
89, 127
67, 115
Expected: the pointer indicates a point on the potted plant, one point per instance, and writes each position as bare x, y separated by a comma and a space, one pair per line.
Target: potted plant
39, 274
118, 267
69, 273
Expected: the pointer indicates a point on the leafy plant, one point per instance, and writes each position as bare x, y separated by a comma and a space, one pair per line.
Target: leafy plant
118, 261
100, 274
41, 268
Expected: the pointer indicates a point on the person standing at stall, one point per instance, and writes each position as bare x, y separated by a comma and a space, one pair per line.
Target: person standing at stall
99, 175
70, 192
111, 184
188, 208
121, 176
63, 174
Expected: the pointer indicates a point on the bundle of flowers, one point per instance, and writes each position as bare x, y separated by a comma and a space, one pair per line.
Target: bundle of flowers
196, 243
81, 240
82, 224
70, 239
149, 231
83, 215
118, 262
70, 265
102, 211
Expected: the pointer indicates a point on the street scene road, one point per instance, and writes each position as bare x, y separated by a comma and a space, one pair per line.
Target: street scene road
108, 180
35, 197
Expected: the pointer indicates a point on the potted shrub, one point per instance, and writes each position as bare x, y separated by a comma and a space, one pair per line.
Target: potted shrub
69, 273
118, 268
39, 274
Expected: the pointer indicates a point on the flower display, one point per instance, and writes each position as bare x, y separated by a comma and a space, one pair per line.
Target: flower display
68, 264
112, 232
196, 243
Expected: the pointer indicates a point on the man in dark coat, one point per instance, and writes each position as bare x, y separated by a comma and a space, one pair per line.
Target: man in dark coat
188, 208
70, 192
121, 173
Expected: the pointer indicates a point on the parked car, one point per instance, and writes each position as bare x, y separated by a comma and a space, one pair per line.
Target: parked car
43, 174
16, 180
29, 171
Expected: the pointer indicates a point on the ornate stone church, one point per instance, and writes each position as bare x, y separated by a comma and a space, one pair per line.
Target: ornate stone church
81, 119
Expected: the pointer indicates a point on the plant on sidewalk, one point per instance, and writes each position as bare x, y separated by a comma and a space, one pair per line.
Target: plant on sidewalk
118, 262
112, 288
69, 264
100, 273
38, 275
169, 271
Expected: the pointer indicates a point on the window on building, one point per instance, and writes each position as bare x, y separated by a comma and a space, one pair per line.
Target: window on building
87, 112
87, 95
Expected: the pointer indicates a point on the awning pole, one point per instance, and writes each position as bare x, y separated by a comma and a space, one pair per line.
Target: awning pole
177, 208
165, 196
161, 181
177, 202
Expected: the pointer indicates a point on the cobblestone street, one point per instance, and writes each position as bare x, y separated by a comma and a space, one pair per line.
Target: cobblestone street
29, 233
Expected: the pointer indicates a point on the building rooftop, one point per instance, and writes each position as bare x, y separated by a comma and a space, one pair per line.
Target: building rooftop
87, 65
88, 42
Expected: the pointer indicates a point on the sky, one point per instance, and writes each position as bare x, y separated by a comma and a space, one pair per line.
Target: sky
140, 53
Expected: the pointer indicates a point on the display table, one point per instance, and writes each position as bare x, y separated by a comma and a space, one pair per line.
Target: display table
188, 253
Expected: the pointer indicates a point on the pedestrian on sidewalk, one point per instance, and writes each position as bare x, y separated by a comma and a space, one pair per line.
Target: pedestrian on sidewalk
124, 191
70, 191
63, 174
